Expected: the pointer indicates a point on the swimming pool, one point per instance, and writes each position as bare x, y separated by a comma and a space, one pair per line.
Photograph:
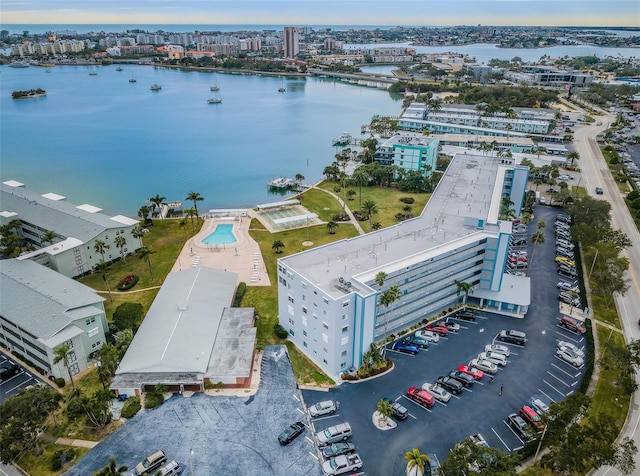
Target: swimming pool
222, 235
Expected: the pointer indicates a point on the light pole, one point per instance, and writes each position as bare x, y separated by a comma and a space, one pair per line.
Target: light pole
535, 458
191, 461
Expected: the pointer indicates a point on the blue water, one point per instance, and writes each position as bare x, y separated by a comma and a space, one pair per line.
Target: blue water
113, 144
222, 235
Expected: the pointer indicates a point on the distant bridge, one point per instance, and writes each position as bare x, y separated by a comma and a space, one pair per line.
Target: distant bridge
357, 77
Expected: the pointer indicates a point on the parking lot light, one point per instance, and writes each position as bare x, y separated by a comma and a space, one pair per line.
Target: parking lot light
191, 461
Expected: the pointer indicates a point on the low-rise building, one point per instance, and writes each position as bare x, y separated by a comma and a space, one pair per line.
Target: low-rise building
409, 152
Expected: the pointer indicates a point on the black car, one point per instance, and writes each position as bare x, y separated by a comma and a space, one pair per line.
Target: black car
8, 370
513, 337
399, 412
466, 315
518, 242
465, 379
519, 427
290, 434
337, 449
449, 383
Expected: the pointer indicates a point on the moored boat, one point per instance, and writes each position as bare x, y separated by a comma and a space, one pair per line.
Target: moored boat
156, 87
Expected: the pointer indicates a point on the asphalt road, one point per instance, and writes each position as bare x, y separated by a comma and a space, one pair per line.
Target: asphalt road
14, 384
532, 369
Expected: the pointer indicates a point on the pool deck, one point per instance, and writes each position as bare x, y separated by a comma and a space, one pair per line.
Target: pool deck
243, 257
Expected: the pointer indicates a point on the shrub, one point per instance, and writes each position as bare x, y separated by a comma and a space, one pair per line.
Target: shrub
407, 200
70, 454
127, 315
60, 382
128, 282
153, 400
57, 460
208, 385
131, 407
242, 288
633, 195
280, 331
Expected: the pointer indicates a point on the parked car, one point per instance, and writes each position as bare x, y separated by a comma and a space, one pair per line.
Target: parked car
437, 328
529, 415
8, 370
512, 336
333, 434
518, 241
337, 449
484, 365
572, 324
567, 273
563, 218
565, 244
291, 433
473, 371
569, 357
417, 341
399, 412
421, 396
342, 464
462, 377
325, 407
405, 347
564, 259
566, 253
539, 405
428, 335
494, 357
449, 383
438, 392
452, 326
564, 177
498, 349
519, 427
567, 268
466, 315
569, 298
565, 286
572, 347
170, 469
150, 463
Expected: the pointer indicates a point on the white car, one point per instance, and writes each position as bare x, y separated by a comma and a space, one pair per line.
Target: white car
564, 286
437, 391
564, 177
569, 357
484, 365
493, 357
539, 405
429, 335
326, 407
498, 349
572, 347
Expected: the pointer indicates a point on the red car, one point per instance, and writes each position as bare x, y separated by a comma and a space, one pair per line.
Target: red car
475, 373
437, 328
421, 397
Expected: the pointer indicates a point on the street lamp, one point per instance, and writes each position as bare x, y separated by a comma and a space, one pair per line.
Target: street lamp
191, 461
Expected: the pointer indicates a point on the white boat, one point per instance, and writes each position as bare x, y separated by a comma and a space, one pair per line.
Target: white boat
282, 89
132, 79
93, 72
215, 84
119, 68
155, 87
19, 64
215, 100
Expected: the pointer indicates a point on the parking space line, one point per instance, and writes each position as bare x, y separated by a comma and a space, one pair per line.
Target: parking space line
558, 379
325, 417
566, 363
296, 397
9, 380
401, 353
301, 412
415, 418
310, 440
553, 388
442, 403
565, 336
417, 404
501, 440
542, 392
468, 390
314, 456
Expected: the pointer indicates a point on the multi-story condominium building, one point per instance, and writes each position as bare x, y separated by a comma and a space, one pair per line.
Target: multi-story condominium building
328, 299
409, 152
76, 229
549, 76
48, 48
40, 310
291, 42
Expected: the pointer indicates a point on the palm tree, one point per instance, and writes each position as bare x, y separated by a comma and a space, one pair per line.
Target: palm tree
332, 226
416, 462
48, 237
112, 469
536, 239
100, 246
299, 179
385, 410
61, 353
144, 253
370, 208
380, 277
574, 155
195, 197
191, 212
158, 201
183, 224
277, 246
121, 241
463, 287
387, 298
137, 232
102, 267
360, 177
351, 193
143, 212
376, 225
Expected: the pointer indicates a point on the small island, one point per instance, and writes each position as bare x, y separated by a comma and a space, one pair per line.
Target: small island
31, 93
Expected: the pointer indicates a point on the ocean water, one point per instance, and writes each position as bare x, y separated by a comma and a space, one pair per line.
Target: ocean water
111, 143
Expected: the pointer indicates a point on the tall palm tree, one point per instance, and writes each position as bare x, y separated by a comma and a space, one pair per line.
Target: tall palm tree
387, 298
103, 267
416, 462
385, 410
144, 253
144, 211
137, 232
183, 224
191, 212
158, 201
380, 277
536, 239
111, 469
48, 237
61, 354
195, 197
463, 287
360, 176
299, 179
370, 208
277, 246
121, 241
573, 156
100, 246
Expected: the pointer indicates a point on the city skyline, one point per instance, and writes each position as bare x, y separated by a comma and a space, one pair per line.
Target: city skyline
623, 13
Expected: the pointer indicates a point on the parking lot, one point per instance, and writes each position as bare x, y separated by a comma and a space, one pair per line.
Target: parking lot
17, 382
531, 370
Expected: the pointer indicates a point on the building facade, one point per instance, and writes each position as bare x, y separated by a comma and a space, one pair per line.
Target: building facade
409, 152
291, 42
328, 297
41, 310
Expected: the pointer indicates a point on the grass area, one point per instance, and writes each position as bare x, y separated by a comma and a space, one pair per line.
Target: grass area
321, 203
387, 199
604, 314
41, 465
537, 471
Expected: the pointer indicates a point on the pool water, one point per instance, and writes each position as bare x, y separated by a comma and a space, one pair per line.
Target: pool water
222, 235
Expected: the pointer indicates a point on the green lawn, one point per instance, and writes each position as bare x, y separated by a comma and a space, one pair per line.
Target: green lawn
41, 465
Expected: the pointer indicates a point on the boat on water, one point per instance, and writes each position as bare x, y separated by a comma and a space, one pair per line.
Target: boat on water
119, 68
155, 87
19, 64
215, 84
216, 100
281, 183
132, 79
48, 70
93, 73
343, 139
282, 89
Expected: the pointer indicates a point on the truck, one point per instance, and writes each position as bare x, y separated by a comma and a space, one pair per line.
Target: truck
342, 464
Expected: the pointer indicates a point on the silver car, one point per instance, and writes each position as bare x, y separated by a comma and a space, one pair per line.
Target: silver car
498, 349
493, 357
429, 335
572, 347
437, 391
326, 407
569, 357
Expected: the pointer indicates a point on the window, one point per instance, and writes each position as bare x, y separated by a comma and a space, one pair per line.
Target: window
325, 337
325, 325
304, 321
93, 332
324, 349
304, 343
344, 353
282, 280
304, 333
325, 361
343, 365
304, 297
326, 301
290, 298
291, 332
304, 285
304, 309
345, 340
345, 329
344, 316
345, 304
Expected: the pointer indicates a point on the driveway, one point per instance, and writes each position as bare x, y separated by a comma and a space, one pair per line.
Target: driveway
532, 369
219, 435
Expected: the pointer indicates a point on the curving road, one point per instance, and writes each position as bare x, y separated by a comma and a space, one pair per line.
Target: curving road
595, 173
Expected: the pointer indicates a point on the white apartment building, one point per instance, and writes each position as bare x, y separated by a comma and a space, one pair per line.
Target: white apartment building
409, 152
76, 228
41, 310
328, 296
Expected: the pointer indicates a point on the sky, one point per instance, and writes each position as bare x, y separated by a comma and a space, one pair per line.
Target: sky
324, 12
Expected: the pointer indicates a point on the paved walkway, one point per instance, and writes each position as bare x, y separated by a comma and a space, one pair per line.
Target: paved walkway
354, 222
67, 441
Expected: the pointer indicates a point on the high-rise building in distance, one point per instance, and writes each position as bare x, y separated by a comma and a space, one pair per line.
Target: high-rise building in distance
290, 42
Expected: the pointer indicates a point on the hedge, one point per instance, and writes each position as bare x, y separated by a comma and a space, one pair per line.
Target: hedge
131, 407
153, 400
242, 288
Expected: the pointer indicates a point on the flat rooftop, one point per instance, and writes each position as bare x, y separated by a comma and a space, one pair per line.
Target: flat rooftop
470, 191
